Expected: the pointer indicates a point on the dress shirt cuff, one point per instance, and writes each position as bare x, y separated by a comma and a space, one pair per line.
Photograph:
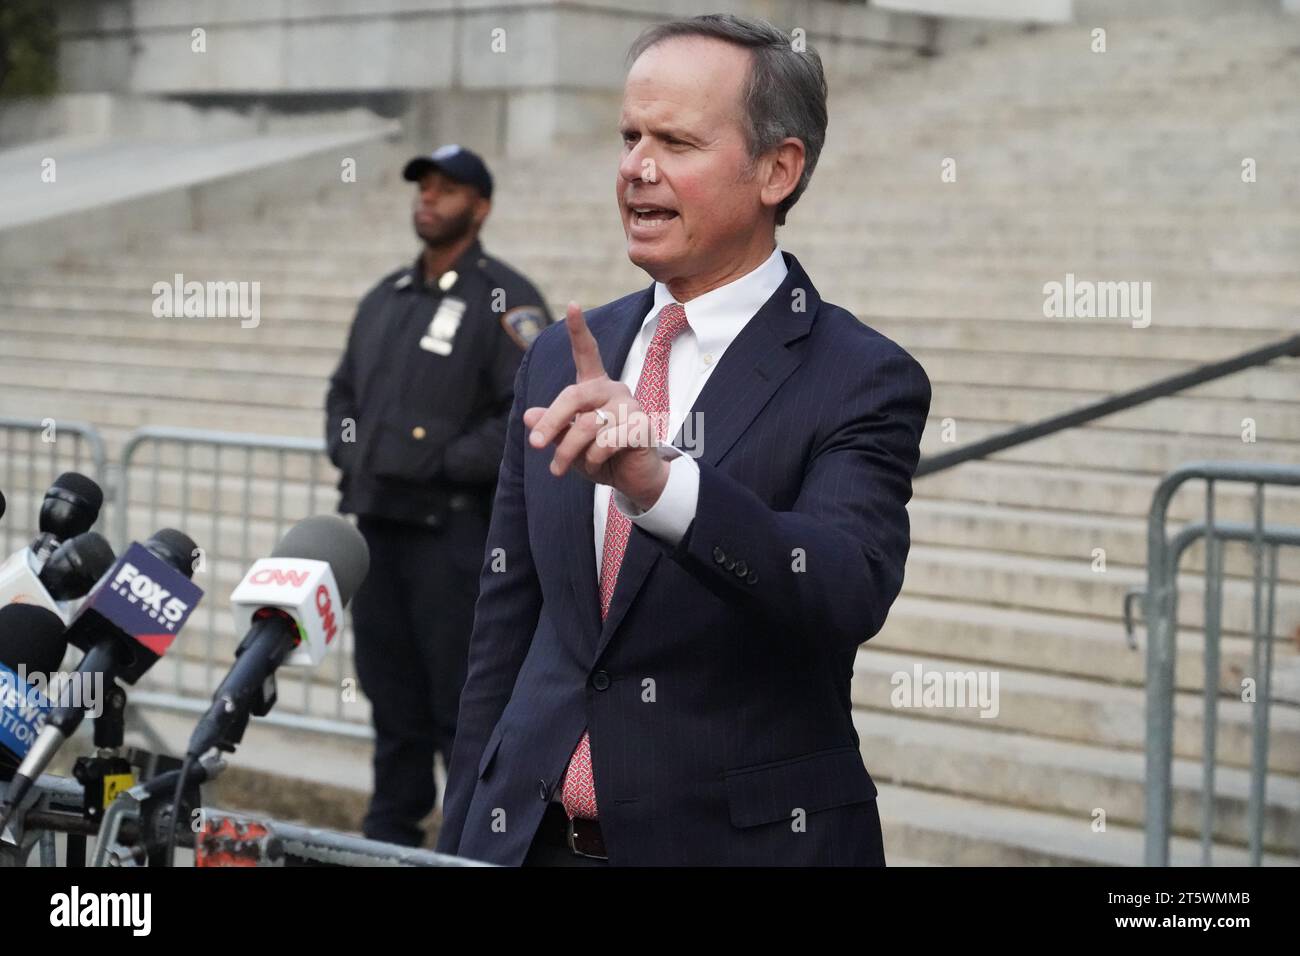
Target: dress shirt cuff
668, 518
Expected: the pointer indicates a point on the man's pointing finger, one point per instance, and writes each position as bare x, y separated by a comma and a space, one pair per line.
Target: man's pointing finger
586, 355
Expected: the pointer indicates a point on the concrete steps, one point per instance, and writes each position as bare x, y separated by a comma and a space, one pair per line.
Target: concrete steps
958, 831
1066, 708
1050, 643
1071, 780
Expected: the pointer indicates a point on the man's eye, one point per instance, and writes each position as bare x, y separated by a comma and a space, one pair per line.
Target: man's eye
629, 137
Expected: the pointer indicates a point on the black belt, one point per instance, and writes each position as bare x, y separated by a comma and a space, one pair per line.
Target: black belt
579, 835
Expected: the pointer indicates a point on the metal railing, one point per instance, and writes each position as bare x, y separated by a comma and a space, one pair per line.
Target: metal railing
36, 451
1289, 347
235, 494
1160, 609
1160, 597
55, 807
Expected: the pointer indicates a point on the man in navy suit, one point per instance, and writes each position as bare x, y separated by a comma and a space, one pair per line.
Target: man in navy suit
664, 637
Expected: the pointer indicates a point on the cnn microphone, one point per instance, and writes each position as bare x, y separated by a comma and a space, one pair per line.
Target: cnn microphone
290, 607
71, 506
125, 625
70, 571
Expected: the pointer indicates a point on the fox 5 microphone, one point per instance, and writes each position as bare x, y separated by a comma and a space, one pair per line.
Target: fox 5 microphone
71, 506
125, 625
69, 572
290, 608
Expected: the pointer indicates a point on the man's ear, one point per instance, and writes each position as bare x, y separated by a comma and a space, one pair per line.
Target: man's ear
482, 207
784, 168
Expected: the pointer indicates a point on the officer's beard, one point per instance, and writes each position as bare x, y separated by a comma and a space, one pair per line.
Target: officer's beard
450, 232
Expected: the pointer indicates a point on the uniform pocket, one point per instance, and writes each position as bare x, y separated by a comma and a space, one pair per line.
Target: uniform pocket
408, 449
767, 792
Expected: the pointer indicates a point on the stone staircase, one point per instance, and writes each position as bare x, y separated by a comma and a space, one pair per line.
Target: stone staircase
1122, 166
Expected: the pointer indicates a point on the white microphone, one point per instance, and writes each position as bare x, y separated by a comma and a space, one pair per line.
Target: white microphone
290, 608
66, 575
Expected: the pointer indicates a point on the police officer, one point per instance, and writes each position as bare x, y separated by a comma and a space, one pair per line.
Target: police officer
416, 423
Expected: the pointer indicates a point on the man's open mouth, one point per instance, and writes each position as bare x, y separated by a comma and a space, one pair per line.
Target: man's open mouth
645, 215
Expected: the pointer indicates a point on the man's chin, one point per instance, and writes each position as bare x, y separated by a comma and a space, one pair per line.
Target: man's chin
439, 237
652, 257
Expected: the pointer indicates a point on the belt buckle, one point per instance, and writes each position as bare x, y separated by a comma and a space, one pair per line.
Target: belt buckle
573, 845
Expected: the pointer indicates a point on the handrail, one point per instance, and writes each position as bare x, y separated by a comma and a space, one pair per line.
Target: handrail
1108, 406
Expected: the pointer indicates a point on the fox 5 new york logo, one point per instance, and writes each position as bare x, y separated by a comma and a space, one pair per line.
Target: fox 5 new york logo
159, 603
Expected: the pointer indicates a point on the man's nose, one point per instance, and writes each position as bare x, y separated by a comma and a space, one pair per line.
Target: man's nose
637, 163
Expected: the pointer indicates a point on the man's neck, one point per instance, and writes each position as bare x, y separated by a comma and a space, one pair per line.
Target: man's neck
438, 259
684, 289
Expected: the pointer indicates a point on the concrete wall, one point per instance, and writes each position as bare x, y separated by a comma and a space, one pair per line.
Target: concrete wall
237, 197
1023, 11
270, 46
515, 75
1091, 11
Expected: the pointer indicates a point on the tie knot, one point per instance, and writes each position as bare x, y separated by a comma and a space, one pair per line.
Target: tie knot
672, 322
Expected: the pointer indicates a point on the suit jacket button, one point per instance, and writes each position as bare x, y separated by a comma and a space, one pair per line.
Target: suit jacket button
543, 790
719, 556
752, 577
741, 569
729, 564
600, 680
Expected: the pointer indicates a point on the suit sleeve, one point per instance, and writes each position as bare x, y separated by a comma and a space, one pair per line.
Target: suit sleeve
830, 568
474, 456
509, 604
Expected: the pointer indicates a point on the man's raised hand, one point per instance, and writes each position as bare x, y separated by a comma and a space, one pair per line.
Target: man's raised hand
618, 451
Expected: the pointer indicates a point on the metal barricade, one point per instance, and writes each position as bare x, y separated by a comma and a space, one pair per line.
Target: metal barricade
1160, 608
235, 494
55, 807
36, 451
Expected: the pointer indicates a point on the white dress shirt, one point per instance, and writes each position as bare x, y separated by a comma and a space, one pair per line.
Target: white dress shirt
714, 319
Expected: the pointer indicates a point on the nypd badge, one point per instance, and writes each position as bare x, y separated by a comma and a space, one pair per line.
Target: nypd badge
442, 328
523, 324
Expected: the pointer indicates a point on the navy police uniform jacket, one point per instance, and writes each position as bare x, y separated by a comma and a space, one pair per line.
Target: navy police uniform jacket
416, 411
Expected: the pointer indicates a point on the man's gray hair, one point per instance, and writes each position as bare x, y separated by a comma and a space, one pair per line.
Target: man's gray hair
785, 94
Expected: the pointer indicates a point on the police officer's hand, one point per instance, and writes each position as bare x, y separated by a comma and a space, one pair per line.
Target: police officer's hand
619, 451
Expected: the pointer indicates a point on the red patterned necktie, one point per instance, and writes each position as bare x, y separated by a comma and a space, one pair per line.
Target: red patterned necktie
579, 793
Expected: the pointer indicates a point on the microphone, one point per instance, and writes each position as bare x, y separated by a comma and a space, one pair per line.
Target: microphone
2, 504
76, 565
70, 572
71, 506
125, 625
137, 608
290, 607
32, 641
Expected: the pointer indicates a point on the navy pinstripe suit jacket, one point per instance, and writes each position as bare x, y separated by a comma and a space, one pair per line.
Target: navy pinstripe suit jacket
717, 690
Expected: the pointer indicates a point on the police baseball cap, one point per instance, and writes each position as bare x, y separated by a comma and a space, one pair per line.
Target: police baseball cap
457, 162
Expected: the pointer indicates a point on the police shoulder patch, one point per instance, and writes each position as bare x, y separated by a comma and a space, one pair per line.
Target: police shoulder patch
523, 324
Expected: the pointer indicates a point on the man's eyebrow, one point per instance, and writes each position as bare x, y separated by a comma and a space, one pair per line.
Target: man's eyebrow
670, 132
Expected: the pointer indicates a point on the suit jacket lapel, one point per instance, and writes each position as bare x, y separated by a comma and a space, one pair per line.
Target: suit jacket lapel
751, 369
